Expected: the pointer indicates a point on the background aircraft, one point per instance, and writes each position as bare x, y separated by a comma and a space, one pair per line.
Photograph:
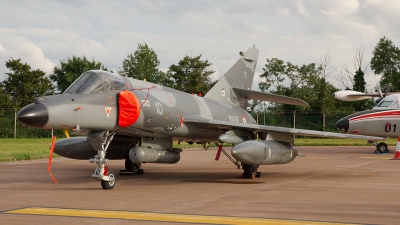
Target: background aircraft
138, 121
382, 120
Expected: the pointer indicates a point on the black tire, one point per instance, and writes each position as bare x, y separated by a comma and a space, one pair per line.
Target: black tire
109, 184
136, 169
128, 164
132, 167
249, 171
382, 147
254, 169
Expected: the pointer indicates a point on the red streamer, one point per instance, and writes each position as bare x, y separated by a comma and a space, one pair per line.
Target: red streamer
218, 153
53, 141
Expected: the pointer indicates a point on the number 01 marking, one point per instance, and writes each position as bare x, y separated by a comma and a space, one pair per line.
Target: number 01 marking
388, 127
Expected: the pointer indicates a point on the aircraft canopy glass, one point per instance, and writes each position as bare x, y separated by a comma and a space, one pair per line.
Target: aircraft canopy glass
385, 103
96, 82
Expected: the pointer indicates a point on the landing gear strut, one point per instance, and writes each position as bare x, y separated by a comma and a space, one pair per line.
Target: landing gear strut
249, 171
100, 140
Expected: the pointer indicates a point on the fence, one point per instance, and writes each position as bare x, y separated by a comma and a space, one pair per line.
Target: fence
11, 128
321, 121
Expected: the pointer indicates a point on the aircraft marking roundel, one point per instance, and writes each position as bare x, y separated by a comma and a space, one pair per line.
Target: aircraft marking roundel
129, 109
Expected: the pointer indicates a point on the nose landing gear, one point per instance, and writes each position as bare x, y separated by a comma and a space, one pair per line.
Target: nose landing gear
100, 140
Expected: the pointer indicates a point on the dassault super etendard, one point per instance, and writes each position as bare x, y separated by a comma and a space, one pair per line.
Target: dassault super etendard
138, 121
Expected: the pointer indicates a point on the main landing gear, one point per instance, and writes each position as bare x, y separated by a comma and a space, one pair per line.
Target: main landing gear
382, 147
131, 168
100, 140
249, 172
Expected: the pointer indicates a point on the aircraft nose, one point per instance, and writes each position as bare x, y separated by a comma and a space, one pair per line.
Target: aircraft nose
343, 125
33, 115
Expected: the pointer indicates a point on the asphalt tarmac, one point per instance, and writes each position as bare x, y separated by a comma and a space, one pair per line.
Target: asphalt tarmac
330, 185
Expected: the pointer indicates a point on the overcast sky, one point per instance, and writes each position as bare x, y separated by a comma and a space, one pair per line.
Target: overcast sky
42, 33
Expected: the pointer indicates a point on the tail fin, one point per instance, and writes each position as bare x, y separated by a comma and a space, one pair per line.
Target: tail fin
240, 75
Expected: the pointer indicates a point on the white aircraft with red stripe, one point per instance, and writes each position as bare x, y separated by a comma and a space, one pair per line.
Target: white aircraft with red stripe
383, 120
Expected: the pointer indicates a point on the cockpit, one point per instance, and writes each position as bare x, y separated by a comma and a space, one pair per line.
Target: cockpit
390, 102
97, 81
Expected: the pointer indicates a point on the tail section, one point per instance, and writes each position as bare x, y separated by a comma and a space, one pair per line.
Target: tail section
240, 75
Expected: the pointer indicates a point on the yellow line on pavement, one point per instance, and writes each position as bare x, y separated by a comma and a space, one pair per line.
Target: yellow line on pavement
372, 157
159, 217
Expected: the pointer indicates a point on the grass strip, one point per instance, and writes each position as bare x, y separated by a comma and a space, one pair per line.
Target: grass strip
38, 148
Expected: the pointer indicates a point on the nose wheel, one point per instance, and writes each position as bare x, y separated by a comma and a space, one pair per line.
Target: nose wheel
111, 183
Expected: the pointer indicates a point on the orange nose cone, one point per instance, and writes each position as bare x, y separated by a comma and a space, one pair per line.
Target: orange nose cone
129, 109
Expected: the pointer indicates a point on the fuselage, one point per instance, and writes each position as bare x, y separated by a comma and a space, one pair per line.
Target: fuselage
383, 120
149, 110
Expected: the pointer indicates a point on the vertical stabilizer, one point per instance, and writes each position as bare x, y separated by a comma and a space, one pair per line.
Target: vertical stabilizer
240, 75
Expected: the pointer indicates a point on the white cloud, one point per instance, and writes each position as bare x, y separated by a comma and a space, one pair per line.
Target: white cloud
301, 9
282, 11
2, 49
27, 52
35, 57
341, 9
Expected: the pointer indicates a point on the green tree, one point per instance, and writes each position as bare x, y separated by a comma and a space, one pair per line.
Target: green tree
142, 65
166, 79
5, 100
274, 74
23, 84
70, 69
386, 62
191, 75
359, 85
321, 92
359, 81
307, 82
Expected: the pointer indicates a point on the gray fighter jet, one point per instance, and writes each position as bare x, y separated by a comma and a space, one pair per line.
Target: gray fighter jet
138, 121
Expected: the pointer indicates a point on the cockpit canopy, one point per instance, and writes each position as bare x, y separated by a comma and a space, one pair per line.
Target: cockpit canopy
390, 102
97, 81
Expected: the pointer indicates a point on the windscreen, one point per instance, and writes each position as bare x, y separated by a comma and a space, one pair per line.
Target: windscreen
385, 103
92, 82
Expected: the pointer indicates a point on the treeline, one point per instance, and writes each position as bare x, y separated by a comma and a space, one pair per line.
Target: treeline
192, 75
310, 83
